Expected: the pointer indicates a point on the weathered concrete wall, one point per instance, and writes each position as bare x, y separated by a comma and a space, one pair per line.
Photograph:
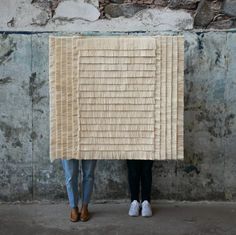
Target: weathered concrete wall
209, 169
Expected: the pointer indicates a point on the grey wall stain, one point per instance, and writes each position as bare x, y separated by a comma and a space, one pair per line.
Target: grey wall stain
34, 86
8, 46
8, 131
5, 80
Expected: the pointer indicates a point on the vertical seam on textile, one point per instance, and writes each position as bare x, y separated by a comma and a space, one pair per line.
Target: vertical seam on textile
177, 111
50, 91
72, 96
166, 97
55, 98
171, 116
78, 79
61, 97
66, 98
77, 99
174, 124
182, 97
155, 91
160, 91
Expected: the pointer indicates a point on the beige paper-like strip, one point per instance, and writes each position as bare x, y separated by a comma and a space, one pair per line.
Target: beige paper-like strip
116, 97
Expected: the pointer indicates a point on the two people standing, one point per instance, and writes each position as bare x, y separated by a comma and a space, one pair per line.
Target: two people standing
139, 173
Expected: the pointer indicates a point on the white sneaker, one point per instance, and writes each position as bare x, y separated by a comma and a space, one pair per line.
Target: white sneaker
146, 209
134, 208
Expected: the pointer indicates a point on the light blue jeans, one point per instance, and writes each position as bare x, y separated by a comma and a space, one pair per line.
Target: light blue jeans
71, 171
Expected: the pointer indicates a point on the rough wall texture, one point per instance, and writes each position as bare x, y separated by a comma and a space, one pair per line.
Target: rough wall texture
116, 15
209, 169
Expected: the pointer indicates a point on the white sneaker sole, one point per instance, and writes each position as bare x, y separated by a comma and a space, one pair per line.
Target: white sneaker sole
133, 215
146, 216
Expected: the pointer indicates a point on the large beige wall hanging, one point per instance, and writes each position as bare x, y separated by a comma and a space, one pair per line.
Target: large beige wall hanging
116, 97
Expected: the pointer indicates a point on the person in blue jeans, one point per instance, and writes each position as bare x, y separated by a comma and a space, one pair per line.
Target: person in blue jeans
71, 171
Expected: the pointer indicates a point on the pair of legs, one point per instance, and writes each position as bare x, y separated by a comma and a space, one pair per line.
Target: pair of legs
71, 171
140, 174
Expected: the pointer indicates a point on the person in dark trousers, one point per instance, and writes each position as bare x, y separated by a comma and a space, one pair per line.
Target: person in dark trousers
140, 174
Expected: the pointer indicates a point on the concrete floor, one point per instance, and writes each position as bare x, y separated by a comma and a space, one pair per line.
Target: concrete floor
170, 218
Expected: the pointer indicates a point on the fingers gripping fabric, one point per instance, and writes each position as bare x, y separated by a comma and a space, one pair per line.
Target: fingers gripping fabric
116, 97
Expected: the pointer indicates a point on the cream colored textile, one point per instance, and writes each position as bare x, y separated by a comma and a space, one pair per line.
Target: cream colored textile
116, 97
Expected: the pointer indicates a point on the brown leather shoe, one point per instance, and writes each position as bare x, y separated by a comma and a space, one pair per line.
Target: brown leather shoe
84, 215
74, 214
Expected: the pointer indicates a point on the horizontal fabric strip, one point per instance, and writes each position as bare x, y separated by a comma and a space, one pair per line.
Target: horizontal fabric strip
117, 81
116, 54
117, 147
116, 43
116, 121
117, 74
118, 114
118, 155
117, 101
124, 87
117, 134
117, 60
115, 107
117, 127
114, 141
117, 67
123, 94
